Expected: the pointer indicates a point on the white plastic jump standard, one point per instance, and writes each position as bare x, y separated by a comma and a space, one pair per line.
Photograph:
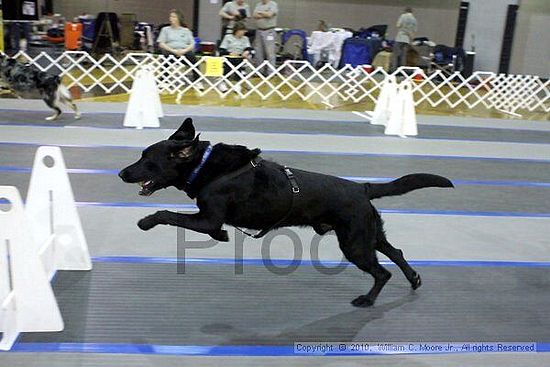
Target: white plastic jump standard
35, 242
144, 107
394, 109
384, 103
27, 302
402, 119
383, 107
55, 224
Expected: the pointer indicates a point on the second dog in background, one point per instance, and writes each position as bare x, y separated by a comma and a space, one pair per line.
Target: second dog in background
27, 81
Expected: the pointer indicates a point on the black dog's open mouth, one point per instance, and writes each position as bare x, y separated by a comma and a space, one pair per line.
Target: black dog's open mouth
146, 188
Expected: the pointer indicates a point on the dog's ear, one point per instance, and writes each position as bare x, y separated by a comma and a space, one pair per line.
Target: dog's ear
185, 132
187, 150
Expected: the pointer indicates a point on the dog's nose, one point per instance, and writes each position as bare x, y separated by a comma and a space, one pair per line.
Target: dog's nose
122, 175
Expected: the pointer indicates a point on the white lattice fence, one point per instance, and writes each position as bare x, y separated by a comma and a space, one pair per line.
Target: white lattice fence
299, 79
515, 92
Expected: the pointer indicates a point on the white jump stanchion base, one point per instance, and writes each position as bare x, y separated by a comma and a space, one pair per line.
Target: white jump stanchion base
27, 301
144, 106
383, 109
410, 125
402, 120
511, 113
52, 211
366, 115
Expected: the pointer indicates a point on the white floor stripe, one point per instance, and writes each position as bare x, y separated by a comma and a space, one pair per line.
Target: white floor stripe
421, 237
291, 142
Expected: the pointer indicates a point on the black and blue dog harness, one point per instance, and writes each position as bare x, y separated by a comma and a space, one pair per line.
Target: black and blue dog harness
254, 163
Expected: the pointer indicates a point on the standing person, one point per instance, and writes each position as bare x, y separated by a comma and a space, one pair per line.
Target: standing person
265, 14
16, 28
406, 25
178, 40
233, 11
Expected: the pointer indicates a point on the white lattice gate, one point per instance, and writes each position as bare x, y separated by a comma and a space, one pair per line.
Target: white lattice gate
507, 93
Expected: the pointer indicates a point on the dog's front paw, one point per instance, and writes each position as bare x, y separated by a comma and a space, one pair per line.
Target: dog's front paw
148, 222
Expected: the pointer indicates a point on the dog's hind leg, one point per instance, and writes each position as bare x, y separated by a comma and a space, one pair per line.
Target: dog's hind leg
396, 255
359, 250
75, 109
51, 102
369, 263
72, 105
67, 99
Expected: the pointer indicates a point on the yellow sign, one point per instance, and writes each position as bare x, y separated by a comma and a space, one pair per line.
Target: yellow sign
214, 66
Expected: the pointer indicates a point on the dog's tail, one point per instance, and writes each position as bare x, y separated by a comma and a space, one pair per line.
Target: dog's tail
62, 93
406, 184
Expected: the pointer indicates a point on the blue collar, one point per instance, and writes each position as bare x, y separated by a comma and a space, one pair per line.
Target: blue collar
195, 172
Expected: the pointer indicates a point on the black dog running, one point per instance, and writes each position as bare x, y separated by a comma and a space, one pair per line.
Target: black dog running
233, 186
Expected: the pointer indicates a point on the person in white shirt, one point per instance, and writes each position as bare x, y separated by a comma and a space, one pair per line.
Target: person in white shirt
407, 26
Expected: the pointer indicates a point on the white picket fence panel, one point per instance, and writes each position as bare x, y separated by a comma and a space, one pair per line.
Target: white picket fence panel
507, 93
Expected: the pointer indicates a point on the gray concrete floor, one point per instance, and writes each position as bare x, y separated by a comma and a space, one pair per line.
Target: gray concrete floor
337, 143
